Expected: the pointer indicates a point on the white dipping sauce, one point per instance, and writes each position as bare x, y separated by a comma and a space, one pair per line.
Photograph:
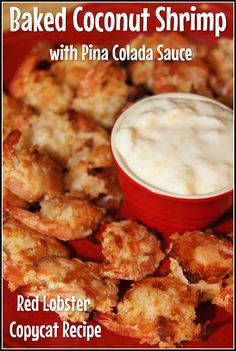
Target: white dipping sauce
180, 143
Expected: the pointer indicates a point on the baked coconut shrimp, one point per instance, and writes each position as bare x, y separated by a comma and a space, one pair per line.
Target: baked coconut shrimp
62, 136
90, 169
225, 298
22, 247
15, 115
11, 200
98, 184
72, 72
221, 62
34, 84
54, 135
57, 276
171, 76
130, 250
29, 174
159, 310
93, 141
201, 260
102, 93
63, 217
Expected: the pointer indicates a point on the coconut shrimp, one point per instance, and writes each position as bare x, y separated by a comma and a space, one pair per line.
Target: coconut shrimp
155, 310
53, 135
221, 62
93, 141
225, 297
66, 278
90, 169
34, 84
29, 174
11, 200
63, 217
175, 76
102, 93
72, 72
130, 250
22, 247
15, 115
61, 136
201, 260
99, 184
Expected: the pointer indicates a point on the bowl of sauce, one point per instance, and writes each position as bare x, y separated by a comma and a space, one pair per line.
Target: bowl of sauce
174, 158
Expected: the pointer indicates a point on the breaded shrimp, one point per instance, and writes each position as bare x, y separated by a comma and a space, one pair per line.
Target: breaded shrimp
11, 200
102, 93
15, 115
66, 278
225, 297
201, 260
54, 135
93, 143
181, 77
130, 250
220, 59
29, 174
72, 72
90, 169
97, 183
34, 84
22, 247
158, 310
61, 136
63, 217
164, 76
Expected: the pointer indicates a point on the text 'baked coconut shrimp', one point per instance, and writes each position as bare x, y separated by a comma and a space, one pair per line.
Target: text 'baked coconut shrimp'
35, 85
22, 247
29, 174
102, 93
130, 250
56, 276
203, 261
158, 310
171, 76
220, 59
63, 217
90, 169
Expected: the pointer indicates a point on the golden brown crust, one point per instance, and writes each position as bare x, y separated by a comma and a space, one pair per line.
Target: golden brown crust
29, 174
156, 310
22, 247
225, 298
67, 278
203, 255
64, 217
72, 72
37, 87
221, 62
130, 250
164, 76
102, 93
15, 115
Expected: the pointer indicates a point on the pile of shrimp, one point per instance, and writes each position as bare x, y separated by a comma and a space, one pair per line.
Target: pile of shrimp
60, 184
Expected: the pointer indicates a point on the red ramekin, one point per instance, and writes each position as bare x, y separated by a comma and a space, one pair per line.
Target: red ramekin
169, 213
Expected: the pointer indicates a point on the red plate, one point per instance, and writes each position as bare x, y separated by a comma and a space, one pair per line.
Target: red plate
16, 45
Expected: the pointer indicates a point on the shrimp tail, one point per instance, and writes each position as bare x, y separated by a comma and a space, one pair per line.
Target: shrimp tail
41, 225
10, 143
